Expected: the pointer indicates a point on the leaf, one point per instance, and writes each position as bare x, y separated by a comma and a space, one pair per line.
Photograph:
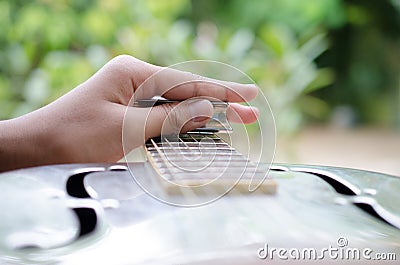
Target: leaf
325, 77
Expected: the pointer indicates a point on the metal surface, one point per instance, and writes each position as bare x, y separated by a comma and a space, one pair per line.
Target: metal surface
121, 224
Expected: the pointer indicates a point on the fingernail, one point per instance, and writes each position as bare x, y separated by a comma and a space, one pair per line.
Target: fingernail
200, 110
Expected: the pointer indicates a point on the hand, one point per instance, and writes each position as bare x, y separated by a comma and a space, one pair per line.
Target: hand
85, 125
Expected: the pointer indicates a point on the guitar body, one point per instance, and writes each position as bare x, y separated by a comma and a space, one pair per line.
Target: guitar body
98, 214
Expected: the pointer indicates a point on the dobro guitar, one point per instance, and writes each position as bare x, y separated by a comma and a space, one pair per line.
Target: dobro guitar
189, 203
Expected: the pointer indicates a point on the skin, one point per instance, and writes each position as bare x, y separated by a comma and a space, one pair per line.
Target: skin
86, 124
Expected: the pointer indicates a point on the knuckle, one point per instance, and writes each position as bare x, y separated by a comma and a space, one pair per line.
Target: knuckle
197, 88
124, 59
197, 83
124, 64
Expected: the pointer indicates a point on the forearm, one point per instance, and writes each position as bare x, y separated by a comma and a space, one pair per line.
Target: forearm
23, 144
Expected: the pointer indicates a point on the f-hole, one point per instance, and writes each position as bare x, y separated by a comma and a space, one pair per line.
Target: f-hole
75, 186
337, 184
370, 210
87, 220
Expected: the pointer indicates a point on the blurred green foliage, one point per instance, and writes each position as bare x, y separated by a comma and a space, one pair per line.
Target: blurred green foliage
309, 56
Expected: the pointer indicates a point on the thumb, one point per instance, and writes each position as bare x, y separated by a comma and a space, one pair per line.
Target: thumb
141, 124
175, 118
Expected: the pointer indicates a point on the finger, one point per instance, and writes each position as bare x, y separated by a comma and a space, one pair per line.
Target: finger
242, 114
125, 75
165, 119
179, 85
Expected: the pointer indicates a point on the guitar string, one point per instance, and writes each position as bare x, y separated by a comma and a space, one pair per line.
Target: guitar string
208, 192
165, 164
161, 155
176, 148
166, 167
184, 191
